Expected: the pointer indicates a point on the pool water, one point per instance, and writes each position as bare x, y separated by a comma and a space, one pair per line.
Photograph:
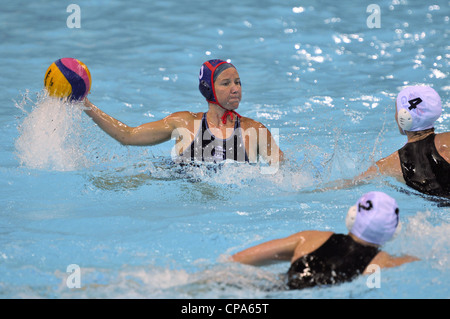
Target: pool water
130, 224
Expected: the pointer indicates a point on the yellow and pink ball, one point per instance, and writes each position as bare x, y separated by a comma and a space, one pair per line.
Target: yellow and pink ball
68, 78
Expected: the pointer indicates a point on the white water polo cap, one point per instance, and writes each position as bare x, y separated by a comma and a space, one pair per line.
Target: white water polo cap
418, 107
374, 218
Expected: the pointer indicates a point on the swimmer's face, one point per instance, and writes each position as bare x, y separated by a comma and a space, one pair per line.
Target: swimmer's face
228, 89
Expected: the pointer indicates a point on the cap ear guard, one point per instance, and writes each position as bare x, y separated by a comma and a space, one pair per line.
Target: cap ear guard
405, 120
351, 217
206, 90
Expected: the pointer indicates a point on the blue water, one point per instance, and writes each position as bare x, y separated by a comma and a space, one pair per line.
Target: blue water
138, 228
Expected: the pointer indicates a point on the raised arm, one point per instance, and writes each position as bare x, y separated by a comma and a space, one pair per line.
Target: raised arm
147, 134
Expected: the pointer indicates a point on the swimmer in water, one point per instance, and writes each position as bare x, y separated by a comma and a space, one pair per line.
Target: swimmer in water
324, 258
214, 136
423, 163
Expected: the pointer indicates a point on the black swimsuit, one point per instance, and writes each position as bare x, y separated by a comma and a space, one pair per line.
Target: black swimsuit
424, 169
208, 148
338, 260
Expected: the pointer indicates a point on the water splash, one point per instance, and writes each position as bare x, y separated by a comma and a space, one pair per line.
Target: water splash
216, 281
430, 235
51, 134
54, 135
288, 177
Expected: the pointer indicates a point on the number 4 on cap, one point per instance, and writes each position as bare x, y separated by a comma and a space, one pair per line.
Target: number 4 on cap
414, 102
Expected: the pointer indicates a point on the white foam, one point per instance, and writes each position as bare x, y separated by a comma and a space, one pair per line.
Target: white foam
217, 281
50, 136
429, 235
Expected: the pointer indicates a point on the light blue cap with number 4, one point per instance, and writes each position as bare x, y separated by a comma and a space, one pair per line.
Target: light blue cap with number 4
374, 218
418, 107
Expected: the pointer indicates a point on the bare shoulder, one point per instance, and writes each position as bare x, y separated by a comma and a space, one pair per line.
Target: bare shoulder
442, 142
310, 240
187, 115
445, 136
390, 165
388, 162
182, 119
247, 122
311, 234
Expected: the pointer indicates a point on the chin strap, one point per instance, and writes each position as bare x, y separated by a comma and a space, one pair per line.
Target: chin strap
230, 113
227, 113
